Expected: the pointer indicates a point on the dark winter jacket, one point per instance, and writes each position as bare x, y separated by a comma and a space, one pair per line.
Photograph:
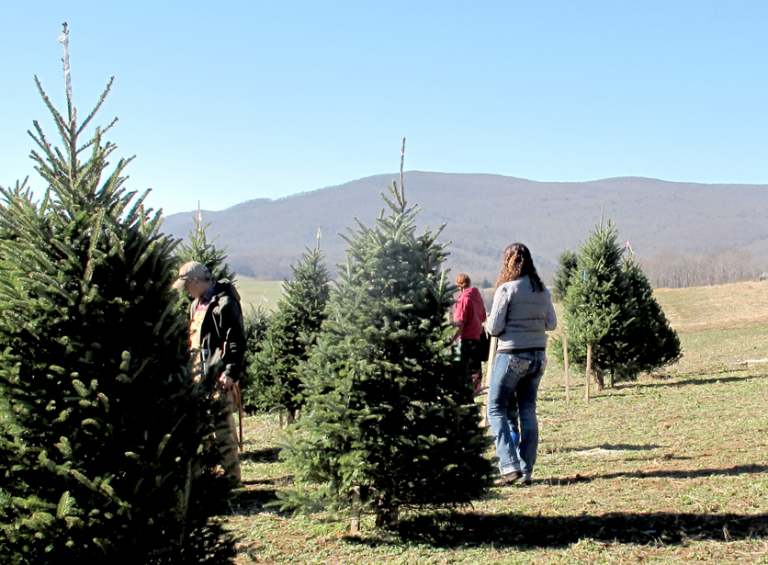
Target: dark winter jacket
222, 334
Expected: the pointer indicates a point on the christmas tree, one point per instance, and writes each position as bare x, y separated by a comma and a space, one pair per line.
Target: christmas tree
102, 430
291, 332
203, 251
609, 305
390, 419
653, 342
254, 396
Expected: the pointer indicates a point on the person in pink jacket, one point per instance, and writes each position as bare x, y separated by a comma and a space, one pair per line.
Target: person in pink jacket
468, 317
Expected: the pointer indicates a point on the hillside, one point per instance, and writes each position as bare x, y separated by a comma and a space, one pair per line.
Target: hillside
484, 213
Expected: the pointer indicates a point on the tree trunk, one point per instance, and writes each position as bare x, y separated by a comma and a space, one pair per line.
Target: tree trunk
610, 379
387, 514
599, 382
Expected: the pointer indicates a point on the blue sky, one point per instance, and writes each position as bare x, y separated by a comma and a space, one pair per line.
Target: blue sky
226, 102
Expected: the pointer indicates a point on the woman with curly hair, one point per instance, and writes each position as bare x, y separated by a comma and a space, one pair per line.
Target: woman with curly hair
522, 312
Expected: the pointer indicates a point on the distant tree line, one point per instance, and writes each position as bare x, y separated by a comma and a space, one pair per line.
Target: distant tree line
673, 269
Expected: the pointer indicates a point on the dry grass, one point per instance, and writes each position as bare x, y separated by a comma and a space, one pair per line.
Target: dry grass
670, 469
715, 307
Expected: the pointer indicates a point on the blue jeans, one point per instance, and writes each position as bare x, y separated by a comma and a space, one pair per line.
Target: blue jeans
512, 395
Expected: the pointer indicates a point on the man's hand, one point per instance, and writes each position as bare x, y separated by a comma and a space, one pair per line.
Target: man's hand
226, 382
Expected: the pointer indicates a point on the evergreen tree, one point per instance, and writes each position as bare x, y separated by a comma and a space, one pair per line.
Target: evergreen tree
101, 427
203, 251
567, 264
256, 322
653, 342
593, 306
290, 334
610, 305
390, 419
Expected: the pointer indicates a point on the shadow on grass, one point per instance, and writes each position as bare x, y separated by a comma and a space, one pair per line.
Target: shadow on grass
614, 447
692, 380
258, 495
671, 474
518, 530
269, 455
252, 501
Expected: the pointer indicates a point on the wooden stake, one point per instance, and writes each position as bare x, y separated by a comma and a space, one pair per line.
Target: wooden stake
589, 370
567, 370
354, 525
487, 379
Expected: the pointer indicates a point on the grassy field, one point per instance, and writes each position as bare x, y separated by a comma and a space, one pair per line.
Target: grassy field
253, 292
670, 469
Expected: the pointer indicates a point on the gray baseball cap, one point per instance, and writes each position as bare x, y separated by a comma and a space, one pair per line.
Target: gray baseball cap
189, 271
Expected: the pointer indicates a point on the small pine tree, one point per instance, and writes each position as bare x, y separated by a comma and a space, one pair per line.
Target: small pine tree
101, 427
291, 332
256, 322
203, 251
653, 342
593, 311
390, 419
567, 264
609, 304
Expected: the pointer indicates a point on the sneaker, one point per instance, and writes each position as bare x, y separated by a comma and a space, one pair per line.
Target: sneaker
526, 482
507, 479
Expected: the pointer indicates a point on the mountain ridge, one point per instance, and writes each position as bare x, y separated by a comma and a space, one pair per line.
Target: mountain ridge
483, 213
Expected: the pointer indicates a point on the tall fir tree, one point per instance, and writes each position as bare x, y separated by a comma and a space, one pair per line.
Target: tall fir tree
390, 419
609, 304
102, 431
291, 332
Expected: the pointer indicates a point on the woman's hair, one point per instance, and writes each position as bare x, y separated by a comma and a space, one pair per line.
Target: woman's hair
463, 281
516, 262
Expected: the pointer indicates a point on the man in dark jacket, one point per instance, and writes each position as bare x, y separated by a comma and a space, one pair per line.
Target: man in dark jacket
217, 340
